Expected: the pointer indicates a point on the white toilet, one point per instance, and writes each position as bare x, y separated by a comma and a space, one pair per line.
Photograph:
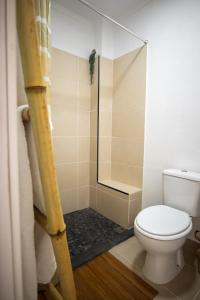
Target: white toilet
163, 229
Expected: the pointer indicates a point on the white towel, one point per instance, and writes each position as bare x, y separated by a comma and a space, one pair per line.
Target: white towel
38, 260
37, 186
27, 217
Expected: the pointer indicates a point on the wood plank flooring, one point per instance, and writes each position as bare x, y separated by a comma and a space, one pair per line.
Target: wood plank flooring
105, 278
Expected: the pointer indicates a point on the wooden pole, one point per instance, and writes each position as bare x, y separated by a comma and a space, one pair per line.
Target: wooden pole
37, 98
52, 292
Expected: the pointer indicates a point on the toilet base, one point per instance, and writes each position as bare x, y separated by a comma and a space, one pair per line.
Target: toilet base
162, 268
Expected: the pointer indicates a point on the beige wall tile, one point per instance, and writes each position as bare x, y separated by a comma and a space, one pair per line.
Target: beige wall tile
128, 109
64, 121
132, 99
104, 170
105, 99
135, 175
113, 208
67, 176
93, 197
127, 151
112, 192
105, 117
94, 98
118, 172
93, 174
93, 149
83, 197
84, 123
122, 92
105, 123
94, 88
84, 96
83, 174
69, 199
125, 124
83, 149
106, 71
119, 150
64, 65
104, 149
128, 174
93, 120
129, 65
83, 70
65, 149
63, 91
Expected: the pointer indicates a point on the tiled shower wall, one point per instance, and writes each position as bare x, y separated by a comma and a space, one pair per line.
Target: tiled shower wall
70, 107
121, 117
105, 117
74, 116
110, 203
128, 117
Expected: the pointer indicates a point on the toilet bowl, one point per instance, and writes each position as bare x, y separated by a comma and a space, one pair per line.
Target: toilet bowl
162, 230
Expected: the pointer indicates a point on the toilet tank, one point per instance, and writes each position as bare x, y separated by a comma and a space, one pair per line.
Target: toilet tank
181, 190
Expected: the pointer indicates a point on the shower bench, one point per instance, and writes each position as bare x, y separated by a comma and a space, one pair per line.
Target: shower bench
118, 201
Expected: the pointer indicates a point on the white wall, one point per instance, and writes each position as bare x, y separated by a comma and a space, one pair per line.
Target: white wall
172, 138
78, 30
107, 39
72, 32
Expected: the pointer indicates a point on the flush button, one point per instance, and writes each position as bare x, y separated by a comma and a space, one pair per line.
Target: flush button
184, 171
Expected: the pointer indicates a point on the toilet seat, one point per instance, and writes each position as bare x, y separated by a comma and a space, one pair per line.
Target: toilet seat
162, 222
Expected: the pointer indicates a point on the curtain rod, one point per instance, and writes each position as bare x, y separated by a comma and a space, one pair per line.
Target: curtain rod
112, 20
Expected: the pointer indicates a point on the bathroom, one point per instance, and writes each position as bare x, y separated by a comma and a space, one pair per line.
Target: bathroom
116, 129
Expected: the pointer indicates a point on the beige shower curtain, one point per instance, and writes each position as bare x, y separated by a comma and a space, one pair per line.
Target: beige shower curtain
42, 17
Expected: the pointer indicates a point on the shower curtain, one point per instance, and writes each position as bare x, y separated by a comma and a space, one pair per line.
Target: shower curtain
42, 12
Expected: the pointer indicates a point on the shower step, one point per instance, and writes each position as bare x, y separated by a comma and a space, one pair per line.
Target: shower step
126, 188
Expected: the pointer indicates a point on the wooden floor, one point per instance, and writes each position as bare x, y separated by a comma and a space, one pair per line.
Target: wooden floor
105, 278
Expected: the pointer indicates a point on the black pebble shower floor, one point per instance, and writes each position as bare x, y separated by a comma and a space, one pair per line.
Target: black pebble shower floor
90, 234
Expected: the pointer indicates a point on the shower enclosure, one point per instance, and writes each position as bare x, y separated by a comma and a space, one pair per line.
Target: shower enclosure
98, 130
120, 88
121, 111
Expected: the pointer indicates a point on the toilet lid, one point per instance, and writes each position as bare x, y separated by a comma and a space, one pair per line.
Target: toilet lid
163, 220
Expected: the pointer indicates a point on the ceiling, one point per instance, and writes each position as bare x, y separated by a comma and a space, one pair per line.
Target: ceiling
117, 8
113, 8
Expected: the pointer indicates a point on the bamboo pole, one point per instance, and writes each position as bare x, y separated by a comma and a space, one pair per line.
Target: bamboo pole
52, 293
40, 218
56, 241
37, 99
